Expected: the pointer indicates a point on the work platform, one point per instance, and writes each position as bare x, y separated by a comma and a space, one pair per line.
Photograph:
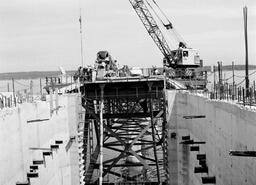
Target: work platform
124, 139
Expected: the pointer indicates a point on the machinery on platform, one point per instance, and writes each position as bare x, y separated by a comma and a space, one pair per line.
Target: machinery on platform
105, 66
180, 62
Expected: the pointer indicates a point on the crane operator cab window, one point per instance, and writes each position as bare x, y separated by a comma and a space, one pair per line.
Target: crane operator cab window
185, 53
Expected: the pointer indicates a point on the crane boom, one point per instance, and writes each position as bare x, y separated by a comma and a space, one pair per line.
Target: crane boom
152, 27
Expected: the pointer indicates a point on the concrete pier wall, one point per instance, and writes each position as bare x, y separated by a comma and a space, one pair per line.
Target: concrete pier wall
17, 137
226, 127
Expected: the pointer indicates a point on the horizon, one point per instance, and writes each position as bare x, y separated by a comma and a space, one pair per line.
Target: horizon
251, 67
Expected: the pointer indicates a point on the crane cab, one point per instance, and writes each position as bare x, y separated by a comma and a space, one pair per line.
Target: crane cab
185, 57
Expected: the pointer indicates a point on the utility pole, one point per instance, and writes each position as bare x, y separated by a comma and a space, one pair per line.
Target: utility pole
246, 52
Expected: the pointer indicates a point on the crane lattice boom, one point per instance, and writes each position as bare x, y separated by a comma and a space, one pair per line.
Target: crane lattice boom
151, 27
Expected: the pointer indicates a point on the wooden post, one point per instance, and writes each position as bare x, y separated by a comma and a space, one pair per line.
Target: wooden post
8, 87
31, 90
254, 92
233, 75
220, 79
214, 82
51, 101
13, 91
40, 86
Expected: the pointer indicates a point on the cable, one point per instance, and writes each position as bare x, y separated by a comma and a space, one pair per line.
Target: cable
179, 37
240, 76
159, 18
21, 84
240, 82
155, 12
162, 12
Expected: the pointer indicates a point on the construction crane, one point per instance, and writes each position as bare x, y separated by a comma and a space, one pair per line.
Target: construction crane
182, 60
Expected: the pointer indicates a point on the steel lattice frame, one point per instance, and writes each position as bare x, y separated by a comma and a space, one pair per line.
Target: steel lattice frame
134, 139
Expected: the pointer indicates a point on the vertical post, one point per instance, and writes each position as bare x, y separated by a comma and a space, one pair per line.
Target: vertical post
101, 135
31, 90
40, 86
57, 101
246, 53
8, 87
214, 82
165, 82
233, 76
244, 96
51, 101
164, 129
13, 91
220, 79
153, 132
254, 94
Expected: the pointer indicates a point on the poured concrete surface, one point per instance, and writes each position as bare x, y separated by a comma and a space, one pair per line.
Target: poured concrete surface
17, 137
226, 127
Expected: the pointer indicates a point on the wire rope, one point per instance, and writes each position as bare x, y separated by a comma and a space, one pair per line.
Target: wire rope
21, 84
179, 37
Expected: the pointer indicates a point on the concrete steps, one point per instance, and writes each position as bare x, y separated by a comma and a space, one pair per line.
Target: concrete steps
34, 168
203, 167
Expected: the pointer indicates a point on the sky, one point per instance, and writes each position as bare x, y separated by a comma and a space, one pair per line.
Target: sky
40, 35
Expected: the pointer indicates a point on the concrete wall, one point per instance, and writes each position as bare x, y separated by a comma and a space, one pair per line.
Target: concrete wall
17, 137
226, 127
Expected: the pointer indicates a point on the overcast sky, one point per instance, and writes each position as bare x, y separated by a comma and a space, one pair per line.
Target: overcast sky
44, 34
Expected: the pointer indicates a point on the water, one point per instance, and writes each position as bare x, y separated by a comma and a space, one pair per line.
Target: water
24, 85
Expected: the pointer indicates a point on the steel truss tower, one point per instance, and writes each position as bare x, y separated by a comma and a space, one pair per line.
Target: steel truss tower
128, 118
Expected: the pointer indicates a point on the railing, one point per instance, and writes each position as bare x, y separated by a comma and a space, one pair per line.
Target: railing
6, 102
235, 93
11, 101
19, 92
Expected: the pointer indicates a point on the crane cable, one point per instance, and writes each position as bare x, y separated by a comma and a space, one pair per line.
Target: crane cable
169, 23
159, 18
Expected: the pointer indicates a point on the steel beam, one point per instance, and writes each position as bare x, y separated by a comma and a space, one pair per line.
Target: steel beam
129, 120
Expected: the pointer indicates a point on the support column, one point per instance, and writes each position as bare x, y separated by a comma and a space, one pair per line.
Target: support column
153, 132
101, 135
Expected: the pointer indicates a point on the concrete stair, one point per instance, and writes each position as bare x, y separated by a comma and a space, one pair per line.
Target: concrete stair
33, 169
32, 175
22, 183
